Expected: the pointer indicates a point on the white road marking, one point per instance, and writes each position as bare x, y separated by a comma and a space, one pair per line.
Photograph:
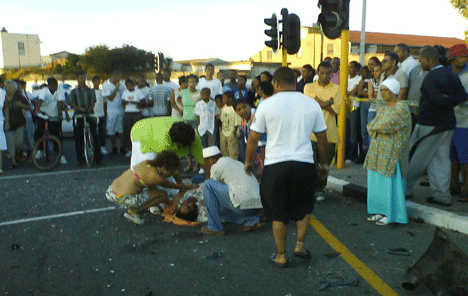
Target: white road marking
63, 172
56, 216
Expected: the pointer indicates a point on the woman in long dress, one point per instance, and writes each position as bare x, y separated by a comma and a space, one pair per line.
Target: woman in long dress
387, 158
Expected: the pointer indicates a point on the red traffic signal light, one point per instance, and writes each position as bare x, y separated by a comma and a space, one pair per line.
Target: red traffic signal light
273, 33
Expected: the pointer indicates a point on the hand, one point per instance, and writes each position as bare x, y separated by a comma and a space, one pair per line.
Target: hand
322, 104
248, 168
323, 172
260, 171
192, 186
181, 112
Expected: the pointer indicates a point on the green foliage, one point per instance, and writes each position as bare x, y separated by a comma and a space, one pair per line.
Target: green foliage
461, 6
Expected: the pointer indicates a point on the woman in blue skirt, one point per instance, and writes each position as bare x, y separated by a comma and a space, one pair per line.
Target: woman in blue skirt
387, 158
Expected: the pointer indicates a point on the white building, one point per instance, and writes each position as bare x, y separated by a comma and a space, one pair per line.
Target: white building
19, 50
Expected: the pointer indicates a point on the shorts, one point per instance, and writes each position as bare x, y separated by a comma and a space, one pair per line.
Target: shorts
114, 122
287, 190
128, 201
459, 146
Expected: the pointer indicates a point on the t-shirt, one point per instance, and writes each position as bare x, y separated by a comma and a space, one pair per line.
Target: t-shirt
134, 96
171, 85
245, 127
49, 103
230, 120
153, 135
2, 101
189, 100
207, 113
352, 83
241, 94
161, 95
148, 111
408, 65
214, 85
82, 97
335, 78
324, 93
174, 112
100, 101
244, 190
415, 80
289, 117
461, 111
114, 105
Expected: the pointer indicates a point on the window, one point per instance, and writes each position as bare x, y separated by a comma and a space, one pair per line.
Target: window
355, 49
371, 48
330, 49
269, 55
21, 48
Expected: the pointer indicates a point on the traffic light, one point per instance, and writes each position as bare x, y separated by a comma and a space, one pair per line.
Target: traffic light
291, 33
156, 63
334, 17
273, 33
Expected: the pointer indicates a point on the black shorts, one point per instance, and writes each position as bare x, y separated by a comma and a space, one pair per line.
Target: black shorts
287, 190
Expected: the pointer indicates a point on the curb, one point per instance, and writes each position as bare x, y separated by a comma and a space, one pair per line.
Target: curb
415, 211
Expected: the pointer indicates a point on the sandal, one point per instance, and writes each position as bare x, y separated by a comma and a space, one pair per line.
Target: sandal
374, 218
249, 228
279, 265
305, 256
134, 218
383, 221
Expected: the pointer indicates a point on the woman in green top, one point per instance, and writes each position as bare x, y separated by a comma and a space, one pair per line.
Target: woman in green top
188, 98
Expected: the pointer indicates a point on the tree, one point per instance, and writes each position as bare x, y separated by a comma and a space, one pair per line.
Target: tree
100, 60
462, 7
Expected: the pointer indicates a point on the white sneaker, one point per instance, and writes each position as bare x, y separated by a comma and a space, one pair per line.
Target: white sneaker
63, 160
129, 154
39, 154
348, 161
134, 218
201, 171
104, 150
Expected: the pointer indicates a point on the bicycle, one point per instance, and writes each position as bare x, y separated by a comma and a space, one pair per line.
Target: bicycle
47, 150
88, 141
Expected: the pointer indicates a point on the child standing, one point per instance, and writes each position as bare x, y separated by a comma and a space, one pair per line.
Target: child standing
230, 122
205, 110
132, 99
247, 113
219, 105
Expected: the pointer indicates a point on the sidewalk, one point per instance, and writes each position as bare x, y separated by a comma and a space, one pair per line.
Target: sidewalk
352, 182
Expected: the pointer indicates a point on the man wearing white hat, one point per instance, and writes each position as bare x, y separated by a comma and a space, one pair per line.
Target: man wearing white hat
230, 194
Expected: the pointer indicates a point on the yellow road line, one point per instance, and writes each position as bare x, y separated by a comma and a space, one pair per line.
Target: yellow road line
372, 278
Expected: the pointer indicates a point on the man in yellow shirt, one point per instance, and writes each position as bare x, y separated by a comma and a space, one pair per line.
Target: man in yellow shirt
328, 96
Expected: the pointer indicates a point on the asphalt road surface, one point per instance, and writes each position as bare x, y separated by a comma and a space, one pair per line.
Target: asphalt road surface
60, 236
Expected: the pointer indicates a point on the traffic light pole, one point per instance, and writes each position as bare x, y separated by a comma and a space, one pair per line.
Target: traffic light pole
340, 162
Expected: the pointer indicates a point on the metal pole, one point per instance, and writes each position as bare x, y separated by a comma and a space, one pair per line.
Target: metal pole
285, 57
362, 46
340, 162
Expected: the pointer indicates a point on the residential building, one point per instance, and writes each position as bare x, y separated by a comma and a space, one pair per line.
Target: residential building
19, 50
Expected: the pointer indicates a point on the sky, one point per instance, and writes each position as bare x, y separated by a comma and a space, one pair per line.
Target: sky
182, 29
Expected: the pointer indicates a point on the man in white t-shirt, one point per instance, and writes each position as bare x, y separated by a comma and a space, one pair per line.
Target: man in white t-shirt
354, 123
112, 90
49, 107
132, 99
210, 82
147, 110
167, 80
287, 188
406, 60
100, 110
161, 96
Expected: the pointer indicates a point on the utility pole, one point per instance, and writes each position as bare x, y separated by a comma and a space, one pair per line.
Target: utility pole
362, 46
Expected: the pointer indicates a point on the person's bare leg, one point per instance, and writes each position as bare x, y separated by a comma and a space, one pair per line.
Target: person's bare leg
156, 197
302, 227
279, 234
114, 144
190, 164
464, 169
455, 182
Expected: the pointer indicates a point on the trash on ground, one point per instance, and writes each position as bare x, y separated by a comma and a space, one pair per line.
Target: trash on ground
400, 251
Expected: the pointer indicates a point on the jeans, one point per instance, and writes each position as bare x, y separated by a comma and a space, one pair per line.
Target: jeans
102, 131
220, 208
28, 135
353, 151
364, 133
78, 131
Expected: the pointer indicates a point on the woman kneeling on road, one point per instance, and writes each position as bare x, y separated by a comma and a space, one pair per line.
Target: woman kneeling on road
141, 186
387, 158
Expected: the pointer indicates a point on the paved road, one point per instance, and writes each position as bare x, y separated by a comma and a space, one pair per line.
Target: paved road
101, 253
53, 245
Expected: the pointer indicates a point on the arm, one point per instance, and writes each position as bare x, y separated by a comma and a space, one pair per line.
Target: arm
354, 91
395, 120
111, 97
252, 144
323, 151
403, 93
361, 91
370, 90
6, 113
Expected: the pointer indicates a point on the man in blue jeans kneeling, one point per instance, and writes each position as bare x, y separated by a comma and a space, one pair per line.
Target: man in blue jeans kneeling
230, 195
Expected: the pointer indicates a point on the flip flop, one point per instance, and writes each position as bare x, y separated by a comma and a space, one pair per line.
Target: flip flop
134, 218
306, 255
279, 265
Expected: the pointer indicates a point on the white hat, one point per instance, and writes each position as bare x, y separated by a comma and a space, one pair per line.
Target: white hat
211, 151
35, 85
392, 84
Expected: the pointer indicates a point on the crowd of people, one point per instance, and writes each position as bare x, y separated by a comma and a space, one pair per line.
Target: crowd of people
263, 151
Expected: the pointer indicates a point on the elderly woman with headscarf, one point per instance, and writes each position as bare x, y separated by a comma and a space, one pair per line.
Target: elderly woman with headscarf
387, 158
13, 108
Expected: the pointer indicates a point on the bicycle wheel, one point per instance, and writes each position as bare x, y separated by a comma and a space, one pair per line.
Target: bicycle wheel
88, 148
49, 150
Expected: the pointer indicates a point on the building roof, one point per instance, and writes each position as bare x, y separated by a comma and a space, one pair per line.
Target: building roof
410, 40
60, 53
215, 61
